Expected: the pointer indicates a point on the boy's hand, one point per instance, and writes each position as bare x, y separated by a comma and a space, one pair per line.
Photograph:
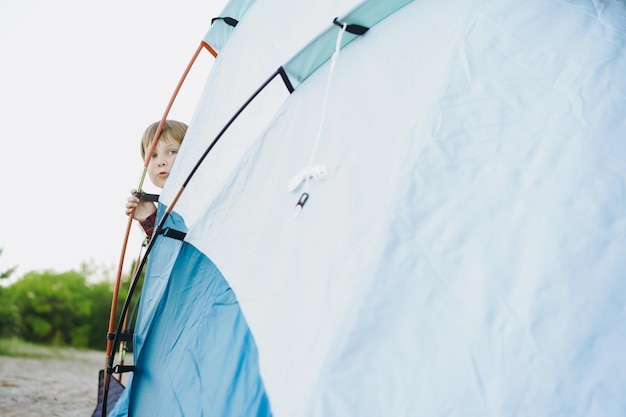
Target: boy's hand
143, 209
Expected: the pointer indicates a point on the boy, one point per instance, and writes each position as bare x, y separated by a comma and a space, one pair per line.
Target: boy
159, 168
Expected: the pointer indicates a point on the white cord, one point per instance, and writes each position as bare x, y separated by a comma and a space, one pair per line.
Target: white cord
318, 171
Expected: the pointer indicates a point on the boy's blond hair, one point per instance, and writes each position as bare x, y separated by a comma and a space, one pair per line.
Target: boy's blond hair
172, 131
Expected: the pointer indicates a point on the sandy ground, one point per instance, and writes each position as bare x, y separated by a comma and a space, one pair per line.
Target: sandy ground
66, 386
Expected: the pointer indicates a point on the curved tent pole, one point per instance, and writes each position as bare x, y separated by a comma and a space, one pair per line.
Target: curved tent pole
113, 338
120, 268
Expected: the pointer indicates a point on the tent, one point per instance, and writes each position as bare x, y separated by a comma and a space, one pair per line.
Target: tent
396, 208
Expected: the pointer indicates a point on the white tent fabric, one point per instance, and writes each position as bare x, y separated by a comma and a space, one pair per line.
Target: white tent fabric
466, 254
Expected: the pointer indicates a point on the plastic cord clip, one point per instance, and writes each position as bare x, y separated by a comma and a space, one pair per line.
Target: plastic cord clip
300, 205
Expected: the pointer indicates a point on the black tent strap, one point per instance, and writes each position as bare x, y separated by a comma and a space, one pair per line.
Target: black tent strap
172, 233
352, 28
120, 369
228, 20
124, 336
147, 197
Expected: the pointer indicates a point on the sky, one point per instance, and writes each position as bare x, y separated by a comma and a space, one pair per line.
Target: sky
79, 82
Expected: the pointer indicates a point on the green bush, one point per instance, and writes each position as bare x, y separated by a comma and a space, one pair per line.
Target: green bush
9, 315
51, 305
60, 309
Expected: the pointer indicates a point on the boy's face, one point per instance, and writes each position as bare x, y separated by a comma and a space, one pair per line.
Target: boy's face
162, 160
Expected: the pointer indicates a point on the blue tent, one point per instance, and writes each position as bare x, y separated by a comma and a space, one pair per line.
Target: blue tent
459, 246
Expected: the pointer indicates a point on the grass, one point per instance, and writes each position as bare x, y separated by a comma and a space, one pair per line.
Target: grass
14, 347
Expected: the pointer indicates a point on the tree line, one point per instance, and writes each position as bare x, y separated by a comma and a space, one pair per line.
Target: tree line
63, 309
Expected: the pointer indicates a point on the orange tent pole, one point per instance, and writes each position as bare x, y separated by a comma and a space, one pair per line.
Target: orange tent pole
118, 278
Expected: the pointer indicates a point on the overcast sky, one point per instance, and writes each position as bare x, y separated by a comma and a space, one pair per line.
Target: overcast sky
79, 82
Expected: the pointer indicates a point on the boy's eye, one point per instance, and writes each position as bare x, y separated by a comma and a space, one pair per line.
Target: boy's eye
173, 152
